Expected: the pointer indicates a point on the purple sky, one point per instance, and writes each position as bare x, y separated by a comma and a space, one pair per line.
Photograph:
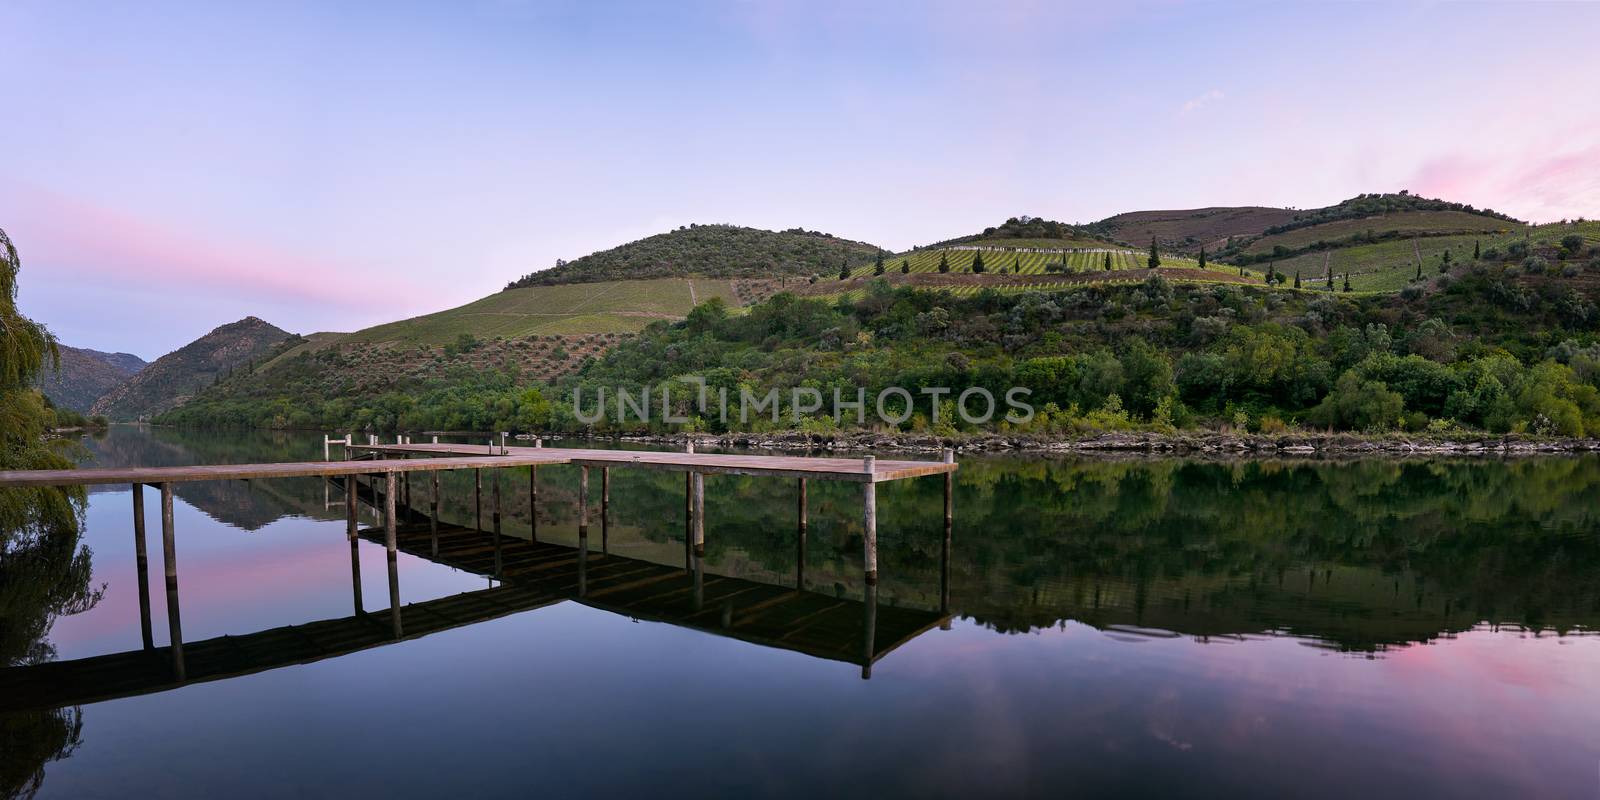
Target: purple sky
169, 168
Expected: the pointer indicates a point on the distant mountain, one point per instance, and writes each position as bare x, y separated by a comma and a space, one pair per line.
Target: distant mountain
85, 375
712, 251
1187, 230
174, 377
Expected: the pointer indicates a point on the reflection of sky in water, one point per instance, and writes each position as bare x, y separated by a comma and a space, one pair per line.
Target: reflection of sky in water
567, 699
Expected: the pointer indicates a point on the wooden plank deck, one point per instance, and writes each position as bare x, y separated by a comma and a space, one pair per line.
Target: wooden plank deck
448, 457
839, 469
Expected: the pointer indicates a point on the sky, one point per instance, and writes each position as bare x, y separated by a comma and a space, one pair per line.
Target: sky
168, 168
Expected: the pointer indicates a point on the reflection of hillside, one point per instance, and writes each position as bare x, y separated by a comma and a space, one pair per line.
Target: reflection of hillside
246, 505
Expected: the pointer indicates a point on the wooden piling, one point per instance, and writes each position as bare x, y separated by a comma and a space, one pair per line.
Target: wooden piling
869, 523
800, 538
391, 544
350, 532
495, 477
869, 636
169, 557
688, 512
699, 514
141, 562
605, 509
583, 506
433, 515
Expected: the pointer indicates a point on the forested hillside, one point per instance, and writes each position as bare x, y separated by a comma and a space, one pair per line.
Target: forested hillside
174, 377
713, 251
83, 376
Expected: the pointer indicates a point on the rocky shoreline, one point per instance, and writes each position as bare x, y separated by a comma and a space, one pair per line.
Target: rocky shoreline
1299, 445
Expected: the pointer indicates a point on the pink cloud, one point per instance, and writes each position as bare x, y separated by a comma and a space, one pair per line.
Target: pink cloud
1535, 184
87, 240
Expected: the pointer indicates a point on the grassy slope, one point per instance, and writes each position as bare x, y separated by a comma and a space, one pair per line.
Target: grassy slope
717, 251
569, 309
1424, 222
1188, 229
1389, 266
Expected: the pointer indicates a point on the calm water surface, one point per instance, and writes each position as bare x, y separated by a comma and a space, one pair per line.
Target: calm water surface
1170, 628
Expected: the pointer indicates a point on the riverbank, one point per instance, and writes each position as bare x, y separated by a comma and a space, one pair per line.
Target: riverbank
1185, 443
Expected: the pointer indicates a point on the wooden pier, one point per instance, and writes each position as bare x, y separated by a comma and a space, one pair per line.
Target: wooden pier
541, 573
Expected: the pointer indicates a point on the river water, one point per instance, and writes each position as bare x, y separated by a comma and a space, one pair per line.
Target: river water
1152, 627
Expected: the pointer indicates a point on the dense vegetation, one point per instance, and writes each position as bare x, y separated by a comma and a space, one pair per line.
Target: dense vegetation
44, 571
1488, 349
717, 251
1026, 228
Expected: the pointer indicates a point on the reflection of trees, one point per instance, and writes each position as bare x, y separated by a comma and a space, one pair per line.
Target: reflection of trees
44, 573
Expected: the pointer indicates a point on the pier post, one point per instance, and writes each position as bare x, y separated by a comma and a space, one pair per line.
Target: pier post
869, 638
605, 509
169, 558
433, 516
688, 512
583, 507
944, 550
869, 522
141, 562
495, 477
355, 540
699, 514
405, 491
391, 544
800, 537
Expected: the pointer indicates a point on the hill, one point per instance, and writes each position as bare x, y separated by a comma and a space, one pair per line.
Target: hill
174, 377
715, 251
516, 336
1189, 229
85, 375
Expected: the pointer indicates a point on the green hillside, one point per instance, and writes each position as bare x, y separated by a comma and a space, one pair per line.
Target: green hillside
1403, 224
579, 308
716, 251
171, 379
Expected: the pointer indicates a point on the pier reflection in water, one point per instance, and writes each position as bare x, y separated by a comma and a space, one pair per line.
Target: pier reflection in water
1253, 628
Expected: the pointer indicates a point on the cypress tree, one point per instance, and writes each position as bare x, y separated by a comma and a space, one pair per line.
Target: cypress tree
1202, 257
1330, 279
877, 268
844, 271
1347, 281
977, 262
1419, 270
1108, 261
1476, 253
905, 266
1155, 257
1016, 266
944, 261
1297, 279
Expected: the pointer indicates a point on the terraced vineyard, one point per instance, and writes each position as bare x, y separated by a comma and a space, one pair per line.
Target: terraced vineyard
1423, 222
1024, 260
1382, 267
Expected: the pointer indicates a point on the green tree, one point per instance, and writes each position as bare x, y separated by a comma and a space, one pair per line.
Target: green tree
844, 271
905, 266
1155, 257
1347, 281
944, 261
877, 267
977, 262
1476, 252
1297, 279
1202, 257
1358, 405
1108, 261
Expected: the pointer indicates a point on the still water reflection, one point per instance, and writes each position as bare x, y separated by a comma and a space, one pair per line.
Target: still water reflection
1152, 627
